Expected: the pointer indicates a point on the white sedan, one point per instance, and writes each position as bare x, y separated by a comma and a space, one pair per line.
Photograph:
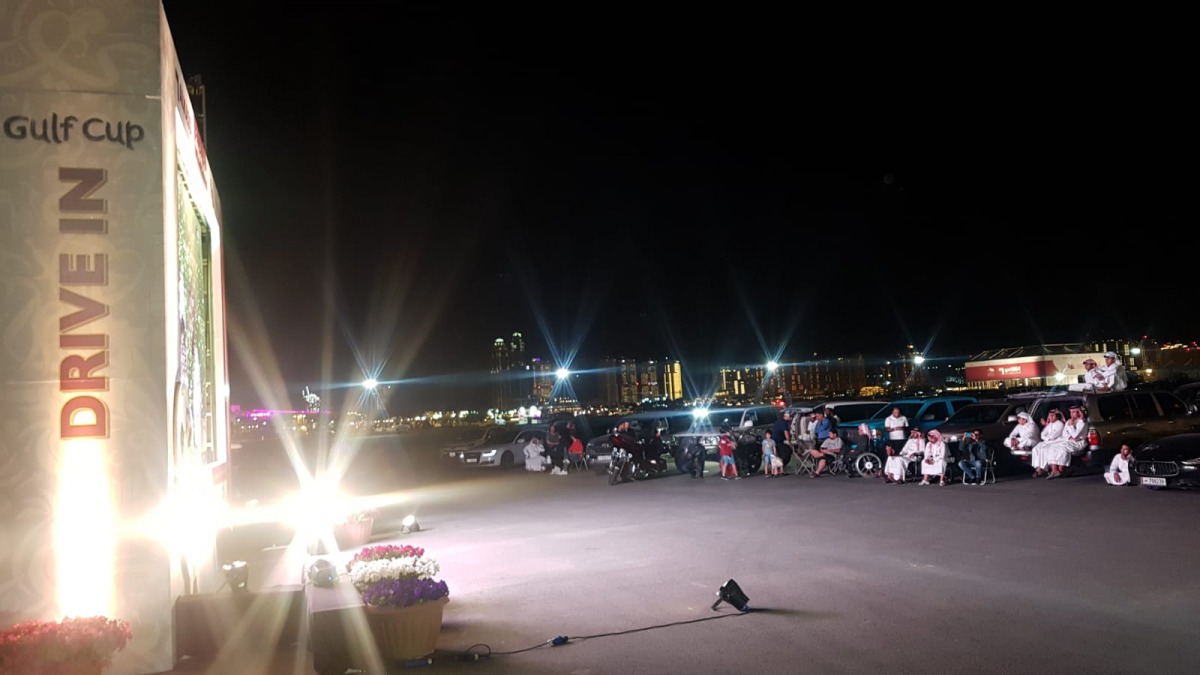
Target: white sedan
504, 455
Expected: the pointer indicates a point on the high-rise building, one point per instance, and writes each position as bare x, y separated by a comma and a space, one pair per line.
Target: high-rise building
672, 380
501, 397
648, 381
542, 377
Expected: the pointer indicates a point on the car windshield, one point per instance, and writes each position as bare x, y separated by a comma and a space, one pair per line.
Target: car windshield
980, 414
469, 435
909, 410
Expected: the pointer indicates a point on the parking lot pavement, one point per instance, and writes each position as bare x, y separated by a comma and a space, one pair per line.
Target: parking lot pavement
843, 575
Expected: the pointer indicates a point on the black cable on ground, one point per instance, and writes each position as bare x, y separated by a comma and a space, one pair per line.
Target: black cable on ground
469, 654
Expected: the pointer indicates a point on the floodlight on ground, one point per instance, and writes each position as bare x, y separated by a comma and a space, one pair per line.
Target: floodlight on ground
699, 413
409, 525
731, 593
322, 573
237, 573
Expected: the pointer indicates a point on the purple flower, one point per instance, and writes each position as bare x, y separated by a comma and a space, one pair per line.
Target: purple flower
404, 592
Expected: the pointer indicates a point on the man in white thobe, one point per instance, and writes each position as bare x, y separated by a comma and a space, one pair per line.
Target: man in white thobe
934, 463
1118, 469
1113, 373
1073, 439
1052, 430
1023, 436
1093, 379
897, 465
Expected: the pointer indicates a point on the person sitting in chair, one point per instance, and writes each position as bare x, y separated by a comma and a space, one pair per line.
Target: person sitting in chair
829, 450
897, 464
1024, 435
974, 457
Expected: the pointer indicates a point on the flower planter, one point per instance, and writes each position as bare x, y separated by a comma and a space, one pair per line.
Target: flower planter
403, 633
353, 535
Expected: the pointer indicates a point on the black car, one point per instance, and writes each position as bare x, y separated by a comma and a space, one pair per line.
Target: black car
1170, 462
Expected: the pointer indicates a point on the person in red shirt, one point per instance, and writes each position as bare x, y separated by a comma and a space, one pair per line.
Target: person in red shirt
728, 463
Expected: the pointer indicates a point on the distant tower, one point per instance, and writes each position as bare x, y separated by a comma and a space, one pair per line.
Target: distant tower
500, 375
672, 380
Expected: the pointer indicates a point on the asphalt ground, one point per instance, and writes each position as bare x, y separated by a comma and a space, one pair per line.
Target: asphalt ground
843, 575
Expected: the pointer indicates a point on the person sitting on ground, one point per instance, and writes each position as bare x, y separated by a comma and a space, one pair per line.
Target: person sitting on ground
1052, 429
1118, 469
828, 451
1024, 435
974, 456
725, 448
934, 463
534, 459
897, 465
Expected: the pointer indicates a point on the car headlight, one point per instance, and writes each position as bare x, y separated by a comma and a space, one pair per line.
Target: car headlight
489, 454
1191, 462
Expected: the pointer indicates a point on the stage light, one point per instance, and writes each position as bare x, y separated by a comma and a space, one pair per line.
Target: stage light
237, 573
322, 573
732, 593
409, 525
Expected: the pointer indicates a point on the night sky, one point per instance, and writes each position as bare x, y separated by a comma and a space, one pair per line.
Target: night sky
412, 187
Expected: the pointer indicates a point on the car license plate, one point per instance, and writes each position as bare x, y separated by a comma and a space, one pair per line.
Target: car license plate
603, 458
472, 460
1156, 482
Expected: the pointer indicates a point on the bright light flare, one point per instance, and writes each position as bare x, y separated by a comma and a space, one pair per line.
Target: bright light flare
84, 521
562, 373
772, 366
699, 413
918, 359
370, 384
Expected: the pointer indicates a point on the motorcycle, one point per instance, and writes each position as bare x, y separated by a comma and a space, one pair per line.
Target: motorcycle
624, 464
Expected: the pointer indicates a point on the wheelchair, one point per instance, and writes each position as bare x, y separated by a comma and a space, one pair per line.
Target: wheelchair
850, 462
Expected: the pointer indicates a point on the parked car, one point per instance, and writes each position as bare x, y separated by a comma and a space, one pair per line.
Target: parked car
922, 413
505, 455
670, 423
1189, 393
994, 419
746, 424
1170, 462
1131, 416
474, 437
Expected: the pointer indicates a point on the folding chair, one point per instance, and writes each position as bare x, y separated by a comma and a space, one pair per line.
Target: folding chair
989, 467
577, 461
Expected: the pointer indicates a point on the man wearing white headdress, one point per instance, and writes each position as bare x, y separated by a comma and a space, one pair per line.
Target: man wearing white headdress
1073, 439
897, 464
934, 463
1093, 378
1113, 372
1023, 437
1052, 429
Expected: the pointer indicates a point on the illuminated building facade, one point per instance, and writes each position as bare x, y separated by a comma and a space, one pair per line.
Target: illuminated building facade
113, 381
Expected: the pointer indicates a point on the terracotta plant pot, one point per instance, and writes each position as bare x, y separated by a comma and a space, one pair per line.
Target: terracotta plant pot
404, 633
353, 535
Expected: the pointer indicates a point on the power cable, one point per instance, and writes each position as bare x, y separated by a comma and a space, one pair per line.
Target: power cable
469, 654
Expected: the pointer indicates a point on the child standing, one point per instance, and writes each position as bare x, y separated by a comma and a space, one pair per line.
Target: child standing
768, 454
725, 449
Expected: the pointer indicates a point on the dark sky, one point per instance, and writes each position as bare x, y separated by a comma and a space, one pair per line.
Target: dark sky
400, 180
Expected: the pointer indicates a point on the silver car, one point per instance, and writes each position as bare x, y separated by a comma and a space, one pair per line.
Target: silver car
506, 454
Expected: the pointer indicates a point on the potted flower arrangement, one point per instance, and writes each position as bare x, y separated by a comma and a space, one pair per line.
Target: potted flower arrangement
404, 603
356, 529
73, 646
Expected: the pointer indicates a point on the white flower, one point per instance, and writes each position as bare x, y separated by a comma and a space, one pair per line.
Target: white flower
364, 574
